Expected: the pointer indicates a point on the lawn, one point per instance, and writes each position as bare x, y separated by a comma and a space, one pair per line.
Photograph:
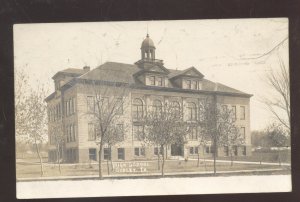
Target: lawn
32, 169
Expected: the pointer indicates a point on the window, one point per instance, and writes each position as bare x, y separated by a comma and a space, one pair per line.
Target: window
139, 151
104, 102
138, 131
90, 104
159, 81
92, 154
226, 151
107, 153
194, 150
67, 131
137, 109
191, 110
242, 113
244, 150
119, 106
120, 131
152, 80
121, 154
243, 130
156, 150
157, 107
188, 84
207, 149
194, 85
235, 150
176, 108
91, 132
234, 112
193, 133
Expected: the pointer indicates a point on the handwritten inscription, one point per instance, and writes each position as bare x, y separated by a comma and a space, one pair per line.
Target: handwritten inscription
130, 167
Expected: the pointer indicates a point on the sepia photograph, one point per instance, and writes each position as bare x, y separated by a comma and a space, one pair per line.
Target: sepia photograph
139, 108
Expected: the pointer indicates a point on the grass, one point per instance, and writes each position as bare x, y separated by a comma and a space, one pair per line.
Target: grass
32, 169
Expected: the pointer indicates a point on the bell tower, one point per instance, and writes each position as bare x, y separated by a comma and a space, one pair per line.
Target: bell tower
148, 49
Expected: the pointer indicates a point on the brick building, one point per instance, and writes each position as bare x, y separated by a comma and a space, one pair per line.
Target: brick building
150, 84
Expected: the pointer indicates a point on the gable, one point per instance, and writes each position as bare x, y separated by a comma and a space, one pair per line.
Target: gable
156, 69
192, 72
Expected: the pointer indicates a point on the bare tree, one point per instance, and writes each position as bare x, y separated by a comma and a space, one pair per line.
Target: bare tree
104, 106
217, 125
115, 135
164, 126
30, 112
230, 134
279, 102
57, 132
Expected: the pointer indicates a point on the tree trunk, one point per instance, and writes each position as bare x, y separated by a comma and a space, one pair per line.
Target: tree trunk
279, 159
100, 160
110, 157
163, 162
231, 158
58, 159
198, 163
107, 166
215, 158
204, 158
158, 158
40, 158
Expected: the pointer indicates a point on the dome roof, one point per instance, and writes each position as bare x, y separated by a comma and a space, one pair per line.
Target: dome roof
147, 42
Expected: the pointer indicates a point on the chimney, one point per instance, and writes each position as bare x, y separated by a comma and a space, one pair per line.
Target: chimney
86, 68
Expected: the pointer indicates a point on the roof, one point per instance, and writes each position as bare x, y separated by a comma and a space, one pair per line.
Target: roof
147, 42
124, 73
70, 71
113, 71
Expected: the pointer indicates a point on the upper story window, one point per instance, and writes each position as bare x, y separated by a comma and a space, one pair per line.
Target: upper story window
242, 113
119, 106
193, 133
191, 84
152, 80
138, 132
175, 108
91, 132
243, 132
159, 81
194, 85
234, 112
157, 107
120, 131
137, 109
90, 104
191, 111
156, 81
188, 84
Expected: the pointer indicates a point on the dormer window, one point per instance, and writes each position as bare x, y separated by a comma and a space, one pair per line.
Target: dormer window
194, 85
191, 84
152, 80
188, 84
155, 81
159, 81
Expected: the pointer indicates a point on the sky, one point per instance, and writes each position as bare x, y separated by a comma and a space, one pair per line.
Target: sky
234, 52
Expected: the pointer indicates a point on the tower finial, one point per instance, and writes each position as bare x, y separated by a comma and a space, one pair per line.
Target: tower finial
147, 30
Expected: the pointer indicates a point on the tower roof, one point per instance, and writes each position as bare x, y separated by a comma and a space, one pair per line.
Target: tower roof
147, 42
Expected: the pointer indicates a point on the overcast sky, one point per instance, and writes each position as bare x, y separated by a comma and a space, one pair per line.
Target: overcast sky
237, 53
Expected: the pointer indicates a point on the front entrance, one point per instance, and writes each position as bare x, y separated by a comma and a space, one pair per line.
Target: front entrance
176, 150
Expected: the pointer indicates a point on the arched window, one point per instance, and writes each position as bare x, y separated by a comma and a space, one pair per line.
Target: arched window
191, 111
157, 107
175, 108
137, 108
